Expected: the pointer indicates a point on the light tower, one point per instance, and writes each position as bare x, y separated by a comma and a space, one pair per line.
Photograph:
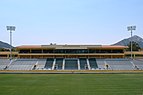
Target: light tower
10, 29
131, 28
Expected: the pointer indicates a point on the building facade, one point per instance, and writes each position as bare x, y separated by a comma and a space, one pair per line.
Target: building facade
70, 51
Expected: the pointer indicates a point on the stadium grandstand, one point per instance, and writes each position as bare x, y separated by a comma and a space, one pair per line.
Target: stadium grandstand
69, 57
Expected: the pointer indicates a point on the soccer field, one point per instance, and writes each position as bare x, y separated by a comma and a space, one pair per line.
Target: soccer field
71, 84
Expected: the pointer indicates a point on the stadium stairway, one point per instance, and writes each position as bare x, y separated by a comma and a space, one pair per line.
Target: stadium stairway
54, 64
78, 62
88, 64
63, 67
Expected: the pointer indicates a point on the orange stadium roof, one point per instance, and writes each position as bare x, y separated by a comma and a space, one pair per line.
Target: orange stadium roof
29, 46
71, 46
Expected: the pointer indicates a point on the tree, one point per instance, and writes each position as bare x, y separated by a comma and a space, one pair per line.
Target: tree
135, 46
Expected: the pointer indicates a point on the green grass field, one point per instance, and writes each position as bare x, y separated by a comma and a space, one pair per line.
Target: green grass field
71, 84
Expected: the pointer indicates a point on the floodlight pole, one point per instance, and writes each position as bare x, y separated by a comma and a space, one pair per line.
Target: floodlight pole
10, 44
10, 29
131, 44
131, 28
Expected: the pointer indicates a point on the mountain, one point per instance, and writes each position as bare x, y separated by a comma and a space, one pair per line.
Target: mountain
134, 38
4, 45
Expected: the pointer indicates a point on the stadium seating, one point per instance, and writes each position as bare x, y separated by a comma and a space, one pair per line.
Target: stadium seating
101, 64
49, 63
120, 64
22, 64
4, 63
40, 64
71, 64
93, 63
83, 64
138, 63
59, 64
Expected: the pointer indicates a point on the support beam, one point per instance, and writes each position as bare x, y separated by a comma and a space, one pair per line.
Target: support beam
54, 63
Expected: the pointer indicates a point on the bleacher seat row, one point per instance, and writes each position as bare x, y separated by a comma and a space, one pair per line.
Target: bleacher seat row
71, 64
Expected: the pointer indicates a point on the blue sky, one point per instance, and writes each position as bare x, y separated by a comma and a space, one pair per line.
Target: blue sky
70, 21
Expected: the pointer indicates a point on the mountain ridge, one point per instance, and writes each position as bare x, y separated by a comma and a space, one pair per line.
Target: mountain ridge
134, 38
4, 45
123, 42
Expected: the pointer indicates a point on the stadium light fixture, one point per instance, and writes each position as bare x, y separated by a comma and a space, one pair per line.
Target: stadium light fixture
10, 29
131, 28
